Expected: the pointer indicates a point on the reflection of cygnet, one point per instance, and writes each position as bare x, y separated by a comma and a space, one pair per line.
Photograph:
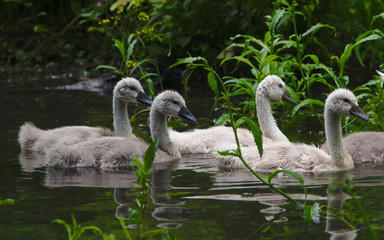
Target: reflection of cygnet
121, 197
160, 188
173, 214
338, 229
31, 162
273, 210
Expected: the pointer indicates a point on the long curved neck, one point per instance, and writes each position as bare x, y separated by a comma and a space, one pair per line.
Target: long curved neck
333, 134
159, 130
267, 123
120, 119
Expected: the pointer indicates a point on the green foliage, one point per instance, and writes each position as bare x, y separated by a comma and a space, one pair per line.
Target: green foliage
7, 201
137, 212
76, 230
142, 199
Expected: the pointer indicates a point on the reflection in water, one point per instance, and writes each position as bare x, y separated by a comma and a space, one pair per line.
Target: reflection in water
31, 161
338, 229
168, 213
159, 193
219, 185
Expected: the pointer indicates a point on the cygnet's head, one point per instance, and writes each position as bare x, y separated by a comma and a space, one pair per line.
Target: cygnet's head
171, 103
344, 103
274, 88
129, 90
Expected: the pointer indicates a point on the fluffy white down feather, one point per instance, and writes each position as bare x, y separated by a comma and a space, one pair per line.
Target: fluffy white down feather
210, 140
221, 138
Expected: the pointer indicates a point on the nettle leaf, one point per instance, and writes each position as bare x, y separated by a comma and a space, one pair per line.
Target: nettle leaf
316, 27
255, 129
188, 60
222, 119
149, 156
305, 103
381, 15
212, 83
312, 213
314, 58
276, 18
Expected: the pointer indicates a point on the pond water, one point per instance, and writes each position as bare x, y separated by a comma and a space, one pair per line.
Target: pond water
204, 202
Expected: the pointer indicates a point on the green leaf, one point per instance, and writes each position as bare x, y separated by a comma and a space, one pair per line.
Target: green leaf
228, 153
125, 230
188, 60
152, 233
314, 58
240, 59
120, 46
7, 201
130, 49
111, 68
344, 57
278, 14
222, 119
257, 135
212, 83
149, 156
369, 38
138, 163
315, 212
306, 102
381, 15
316, 27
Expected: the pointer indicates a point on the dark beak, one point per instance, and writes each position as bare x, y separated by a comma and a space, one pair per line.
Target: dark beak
287, 98
185, 113
143, 98
357, 112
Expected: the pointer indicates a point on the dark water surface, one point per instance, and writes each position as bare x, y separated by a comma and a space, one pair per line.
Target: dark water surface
214, 205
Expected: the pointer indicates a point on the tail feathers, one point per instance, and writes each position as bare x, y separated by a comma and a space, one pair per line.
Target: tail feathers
28, 135
63, 157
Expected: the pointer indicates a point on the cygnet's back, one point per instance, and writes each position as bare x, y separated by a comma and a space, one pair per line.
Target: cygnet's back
127, 90
110, 152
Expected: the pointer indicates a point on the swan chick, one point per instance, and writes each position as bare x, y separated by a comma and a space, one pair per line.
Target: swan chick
112, 152
308, 158
127, 90
221, 138
364, 147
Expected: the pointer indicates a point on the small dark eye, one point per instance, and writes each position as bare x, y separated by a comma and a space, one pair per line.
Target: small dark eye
346, 100
280, 85
175, 102
132, 88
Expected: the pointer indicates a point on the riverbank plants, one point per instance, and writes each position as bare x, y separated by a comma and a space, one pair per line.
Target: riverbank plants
303, 71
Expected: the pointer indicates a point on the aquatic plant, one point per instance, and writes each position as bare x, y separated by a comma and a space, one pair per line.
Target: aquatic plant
7, 201
136, 213
76, 230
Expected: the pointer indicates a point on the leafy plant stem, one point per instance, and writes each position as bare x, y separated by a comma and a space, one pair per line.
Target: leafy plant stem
226, 96
349, 191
